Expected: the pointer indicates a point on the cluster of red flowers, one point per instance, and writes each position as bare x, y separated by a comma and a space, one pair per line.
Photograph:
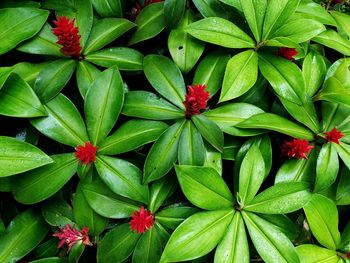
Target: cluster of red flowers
196, 100
334, 136
135, 11
296, 148
141, 220
68, 37
86, 154
70, 236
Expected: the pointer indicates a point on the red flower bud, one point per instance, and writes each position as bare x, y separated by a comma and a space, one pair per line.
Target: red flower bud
141, 221
296, 148
334, 136
86, 154
288, 53
196, 100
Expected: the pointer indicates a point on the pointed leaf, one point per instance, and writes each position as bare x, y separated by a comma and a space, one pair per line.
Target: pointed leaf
173, 12
211, 8
313, 254
148, 249
343, 150
109, 8
343, 188
310, 9
332, 39
174, 215
160, 190
86, 74
334, 91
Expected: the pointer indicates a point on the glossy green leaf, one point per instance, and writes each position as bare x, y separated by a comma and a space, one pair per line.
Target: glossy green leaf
166, 78
240, 75
5, 73
160, 190
63, 123
76, 252
103, 103
150, 22
148, 249
309, 253
109, 8
57, 212
105, 31
147, 105
41, 183
219, 31
204, 187
322, 216
84, 18
332, 39
327, 167
271, 244
46, 249
251, 175
19, 24
172, 216
24, 233
284, 76
210, 71
277, 123
210, 131
211, 8
234, 3
132, 135
213, 159
117, 245
197, 235
18, 157
17, 99
234, 245
122, 177
283, 223
334, 91
163, 154
184, 49
86, 74
191, 147
254, 11
310, 9
27, 71
343, 189
53, 78
342, 20
281, 198
124, 58
343, 150
50, 260
106, 203
173, 12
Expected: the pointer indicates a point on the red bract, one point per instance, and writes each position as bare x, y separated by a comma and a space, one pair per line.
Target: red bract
334, 136
288, 53
70, 236
296, 148
68, 36
86, 154
141, 221
135, 11
196, 100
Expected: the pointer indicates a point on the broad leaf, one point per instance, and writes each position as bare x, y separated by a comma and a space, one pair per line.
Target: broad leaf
174, 215
160, 190
109, 8
313, 254
332, 39
343, 188
84, 18
342, 20
5, 73
343, 150
311, 10
211, 8
173, 12
86, 74
57, 212
148, 248
334, 91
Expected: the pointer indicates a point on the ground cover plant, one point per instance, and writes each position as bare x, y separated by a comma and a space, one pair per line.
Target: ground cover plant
175, 131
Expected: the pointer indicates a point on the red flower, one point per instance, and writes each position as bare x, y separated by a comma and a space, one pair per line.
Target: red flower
288, 53
348, 255
296, 148
337, 1
68, 36
72, 235
86, 154
334, 136
135, 11
196, 100
141, 221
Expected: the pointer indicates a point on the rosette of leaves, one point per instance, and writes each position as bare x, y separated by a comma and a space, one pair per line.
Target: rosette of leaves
65, 125
224, 222
96, 34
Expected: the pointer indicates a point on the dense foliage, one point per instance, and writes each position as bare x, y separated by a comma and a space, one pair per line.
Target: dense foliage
177, 130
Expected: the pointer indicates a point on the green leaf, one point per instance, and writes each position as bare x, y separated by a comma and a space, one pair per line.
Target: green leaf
147, 105
197, 235
228, 115
105, 31
313, 254
204, 187
219, 31
327, 167
174, 11
213, 159
76, 252
53, 78
174, 215
322, 216
86, 74
50, 260
210, 131
310, 9
283, 223
234, 245
63, 123
148, 249
271, 244
343, 188
160, 191
343, 150
117, 245
23, 234
132, 135
281, 198
240, 75
103, 103
334, 91
251, 175
109, 8
84, 18
150, 22
127, 59
210, 71
166, 78
39, 184
277, 13
19, 24
277, 123
163, 154
254, 12
332, 39
122, 177
18, 157
211, 8
27, 71
191, 147
57, 212
106, 203
184, 49
284, 76
342, 23
17, 99
44, 43
5, 73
